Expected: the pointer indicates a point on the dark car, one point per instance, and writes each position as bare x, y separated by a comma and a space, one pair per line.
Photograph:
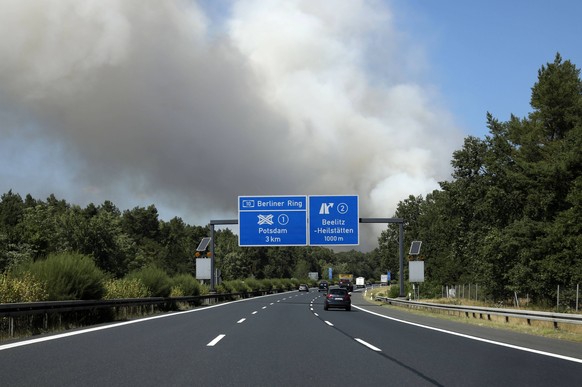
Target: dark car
303, 288
337, 297
323, 286
346, 284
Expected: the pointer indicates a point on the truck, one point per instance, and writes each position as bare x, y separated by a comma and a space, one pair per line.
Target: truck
345, 281
360, 282
346, 277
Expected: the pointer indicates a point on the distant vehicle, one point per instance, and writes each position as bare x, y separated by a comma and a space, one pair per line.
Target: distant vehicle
303, 288
344, 283
360, 282
337, 297
347, 277
323, 286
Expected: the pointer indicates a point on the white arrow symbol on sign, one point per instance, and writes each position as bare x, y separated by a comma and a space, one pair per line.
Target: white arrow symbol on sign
266, 219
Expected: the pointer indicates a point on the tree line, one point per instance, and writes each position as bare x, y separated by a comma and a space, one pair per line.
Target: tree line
510, 219
122, 242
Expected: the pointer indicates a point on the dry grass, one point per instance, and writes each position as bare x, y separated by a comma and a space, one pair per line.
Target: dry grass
569, 332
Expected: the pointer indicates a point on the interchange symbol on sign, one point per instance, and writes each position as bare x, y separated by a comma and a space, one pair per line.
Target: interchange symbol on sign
283, 219
265, 219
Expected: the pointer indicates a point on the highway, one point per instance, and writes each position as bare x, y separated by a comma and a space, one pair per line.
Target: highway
287, 339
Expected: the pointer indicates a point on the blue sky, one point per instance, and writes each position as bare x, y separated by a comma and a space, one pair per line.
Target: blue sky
485, 55
188, 104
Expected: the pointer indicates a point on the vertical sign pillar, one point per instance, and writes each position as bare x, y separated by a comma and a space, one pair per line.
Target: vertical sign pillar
212, 279
401, 245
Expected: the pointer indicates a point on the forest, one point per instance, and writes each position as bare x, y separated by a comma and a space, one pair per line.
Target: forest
509, 219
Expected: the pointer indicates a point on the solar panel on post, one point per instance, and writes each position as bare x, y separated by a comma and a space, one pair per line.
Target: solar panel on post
415, 248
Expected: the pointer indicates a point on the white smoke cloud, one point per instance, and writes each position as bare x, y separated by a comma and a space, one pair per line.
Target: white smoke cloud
143, 102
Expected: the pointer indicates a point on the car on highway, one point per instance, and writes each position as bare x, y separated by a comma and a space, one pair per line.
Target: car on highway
344, 283
303, 288
323, 286
337, 297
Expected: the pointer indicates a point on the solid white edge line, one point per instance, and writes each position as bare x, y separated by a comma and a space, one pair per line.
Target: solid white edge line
555, 355
328, 323
119, 324
241, 320
215, 341
368, 345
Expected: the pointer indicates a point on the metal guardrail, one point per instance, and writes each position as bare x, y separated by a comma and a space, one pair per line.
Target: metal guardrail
484, 312
28, 308
15, 311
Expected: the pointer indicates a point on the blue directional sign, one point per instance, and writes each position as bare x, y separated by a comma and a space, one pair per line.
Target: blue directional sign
272, 220
334, 220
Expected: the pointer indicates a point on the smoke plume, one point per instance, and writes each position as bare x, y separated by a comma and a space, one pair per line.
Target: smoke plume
143, 102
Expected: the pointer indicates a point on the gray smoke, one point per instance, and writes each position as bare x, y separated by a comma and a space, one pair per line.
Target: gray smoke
154, 102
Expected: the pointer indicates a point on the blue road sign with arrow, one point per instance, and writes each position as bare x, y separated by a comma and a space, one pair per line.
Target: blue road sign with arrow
334, 220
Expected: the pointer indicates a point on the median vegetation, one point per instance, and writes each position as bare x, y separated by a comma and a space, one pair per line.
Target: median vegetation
73, 276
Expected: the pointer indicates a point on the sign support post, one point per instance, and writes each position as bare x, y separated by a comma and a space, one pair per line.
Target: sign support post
212, 274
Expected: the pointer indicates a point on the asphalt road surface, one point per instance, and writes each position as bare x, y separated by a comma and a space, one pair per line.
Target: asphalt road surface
288, 339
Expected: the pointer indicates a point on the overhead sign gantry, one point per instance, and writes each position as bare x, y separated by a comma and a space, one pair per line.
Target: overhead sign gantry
282, 221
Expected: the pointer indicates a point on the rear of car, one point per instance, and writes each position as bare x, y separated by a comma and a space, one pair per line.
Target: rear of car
303, 288
337, 298
344, 283
323, 286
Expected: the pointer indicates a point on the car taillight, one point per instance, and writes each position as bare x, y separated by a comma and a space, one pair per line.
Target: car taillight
347, 297
330, 296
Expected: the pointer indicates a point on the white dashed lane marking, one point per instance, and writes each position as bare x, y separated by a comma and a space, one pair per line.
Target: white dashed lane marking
215, 341
368, 345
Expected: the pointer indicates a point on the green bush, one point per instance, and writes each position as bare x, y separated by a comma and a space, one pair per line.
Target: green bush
236, 286
294, 283
204, 289
266, 284
253, 284
125, 288
155, 279
176, 291
186, 284
227, 287
394, 291
69, 276
25, 288
221, 288
277, 284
